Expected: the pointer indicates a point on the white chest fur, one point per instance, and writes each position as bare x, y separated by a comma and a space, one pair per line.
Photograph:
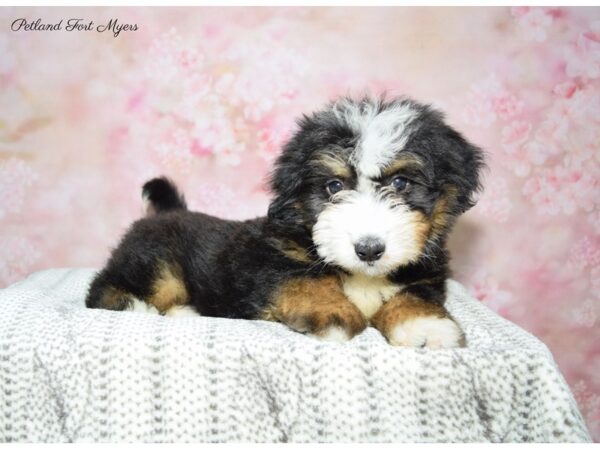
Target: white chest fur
369, 293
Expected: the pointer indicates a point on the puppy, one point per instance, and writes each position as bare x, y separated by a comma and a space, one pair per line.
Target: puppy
365, 193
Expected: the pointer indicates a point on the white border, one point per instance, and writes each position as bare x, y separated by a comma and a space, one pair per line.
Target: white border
335, 3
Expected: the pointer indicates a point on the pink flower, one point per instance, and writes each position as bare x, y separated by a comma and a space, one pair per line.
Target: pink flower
220, 135
507, 106
588, 401
135, 100
271, 136
594, 221
495, 202
595, 280
538, 152
175, 149
519, 154
485, 287
198, 149
220, 102
541, 192
515, 134
268, 74
566, 89
585, 314
8, 62
583, 58
171, 57
489, 99
519, 11
534, 22
562, 189
556, 125
571, 127
585, 253
16, 177
17, 257
219, 199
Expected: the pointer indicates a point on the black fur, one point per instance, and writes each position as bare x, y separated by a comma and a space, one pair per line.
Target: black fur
163, 195
232, 268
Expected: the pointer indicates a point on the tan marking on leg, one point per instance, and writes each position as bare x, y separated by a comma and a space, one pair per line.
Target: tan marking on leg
168, 289
115, 299
403, 307
314, 305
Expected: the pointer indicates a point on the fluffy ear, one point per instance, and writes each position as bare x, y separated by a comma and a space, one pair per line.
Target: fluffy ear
287, 179
457, 163
284, 211
467, 162
286, 182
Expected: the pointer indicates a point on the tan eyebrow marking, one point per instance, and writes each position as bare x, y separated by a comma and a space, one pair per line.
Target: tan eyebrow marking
403, 162
338, 166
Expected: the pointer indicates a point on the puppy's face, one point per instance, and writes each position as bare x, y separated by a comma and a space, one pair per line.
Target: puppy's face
373, 185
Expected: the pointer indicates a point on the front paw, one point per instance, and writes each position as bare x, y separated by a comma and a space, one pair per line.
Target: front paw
426, 331
337, 324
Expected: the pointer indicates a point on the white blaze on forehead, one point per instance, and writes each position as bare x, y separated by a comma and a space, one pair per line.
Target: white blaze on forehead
381, 133
365, 184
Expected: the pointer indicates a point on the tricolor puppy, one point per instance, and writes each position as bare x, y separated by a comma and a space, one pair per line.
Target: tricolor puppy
365, 193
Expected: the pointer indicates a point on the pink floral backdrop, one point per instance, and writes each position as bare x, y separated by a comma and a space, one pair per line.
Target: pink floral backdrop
208, 95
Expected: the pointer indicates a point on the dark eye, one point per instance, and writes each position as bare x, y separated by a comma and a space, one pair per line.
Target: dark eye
400, 183
334, 186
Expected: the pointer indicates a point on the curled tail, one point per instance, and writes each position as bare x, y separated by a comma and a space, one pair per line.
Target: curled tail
161, 195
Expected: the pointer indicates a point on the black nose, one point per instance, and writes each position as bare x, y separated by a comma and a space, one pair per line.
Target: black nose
369, 249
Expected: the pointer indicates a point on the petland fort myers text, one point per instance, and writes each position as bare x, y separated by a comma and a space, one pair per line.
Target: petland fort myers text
73, 24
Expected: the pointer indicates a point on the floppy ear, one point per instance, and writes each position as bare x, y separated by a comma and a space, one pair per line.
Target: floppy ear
283, 209
285, 213
467, 161
457, 164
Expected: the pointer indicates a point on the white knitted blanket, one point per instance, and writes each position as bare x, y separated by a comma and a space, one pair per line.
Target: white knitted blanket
72, 374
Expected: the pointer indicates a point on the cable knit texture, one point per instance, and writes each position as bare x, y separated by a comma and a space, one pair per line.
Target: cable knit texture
72, 374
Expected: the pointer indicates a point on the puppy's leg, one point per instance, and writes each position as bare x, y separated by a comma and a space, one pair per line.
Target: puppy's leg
317, 306
104, 295
410, 320
168, 290
159, 289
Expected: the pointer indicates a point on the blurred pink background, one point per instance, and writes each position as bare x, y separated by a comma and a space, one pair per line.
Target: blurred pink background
207, 96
